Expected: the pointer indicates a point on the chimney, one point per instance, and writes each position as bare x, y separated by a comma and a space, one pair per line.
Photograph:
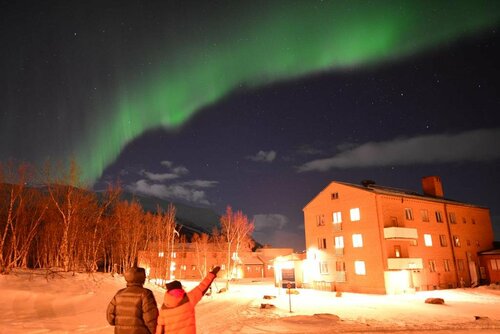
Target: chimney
432, 186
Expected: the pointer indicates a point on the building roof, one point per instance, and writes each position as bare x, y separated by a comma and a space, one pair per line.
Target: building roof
384, 190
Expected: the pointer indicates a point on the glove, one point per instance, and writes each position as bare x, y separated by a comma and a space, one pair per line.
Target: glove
215, 270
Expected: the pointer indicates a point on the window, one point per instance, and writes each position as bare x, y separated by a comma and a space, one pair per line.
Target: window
428, 240
456, 241
359, 267
473, 221
439, 218
355, 216
320, 221
323, 267
394, 221
432, 266
321, 243
337, 217
468, 242
193, 267
495, 264
183, 267
446, 264
460, 264
335, 195
357, 240
442, 240
452, 217
161, 254
413, 242
174, 255
223, 267
339, 242
464, 220
477, 243
425, 215
397, 251
339, 266
409, 214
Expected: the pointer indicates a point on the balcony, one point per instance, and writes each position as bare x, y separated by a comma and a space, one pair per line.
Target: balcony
339, 251
399, 263
400, 233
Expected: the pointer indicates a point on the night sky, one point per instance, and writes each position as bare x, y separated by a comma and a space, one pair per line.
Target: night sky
258, 104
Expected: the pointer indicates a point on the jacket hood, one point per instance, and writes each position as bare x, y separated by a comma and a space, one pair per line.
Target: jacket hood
135, 275
174, 297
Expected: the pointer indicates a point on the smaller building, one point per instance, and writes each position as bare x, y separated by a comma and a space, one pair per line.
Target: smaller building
490, 266
191, 261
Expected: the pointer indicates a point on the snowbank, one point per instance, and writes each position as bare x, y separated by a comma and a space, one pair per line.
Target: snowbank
37, 302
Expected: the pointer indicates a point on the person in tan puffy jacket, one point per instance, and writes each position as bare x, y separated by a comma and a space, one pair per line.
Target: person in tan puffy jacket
177, 314
133, 310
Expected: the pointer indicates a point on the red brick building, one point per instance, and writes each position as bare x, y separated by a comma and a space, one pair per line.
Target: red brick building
374, 239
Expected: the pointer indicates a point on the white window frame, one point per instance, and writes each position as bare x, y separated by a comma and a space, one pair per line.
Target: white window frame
428, 240
357, 240
339, 241
359, 268
337, 217
355, 214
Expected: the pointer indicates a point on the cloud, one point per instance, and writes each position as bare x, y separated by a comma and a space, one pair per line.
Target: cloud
200, 183
159, 177
269, 221
169, 192
154, 184
263, 156
476, 145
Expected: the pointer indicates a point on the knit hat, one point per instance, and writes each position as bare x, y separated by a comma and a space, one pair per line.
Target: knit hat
135, 275
174, 285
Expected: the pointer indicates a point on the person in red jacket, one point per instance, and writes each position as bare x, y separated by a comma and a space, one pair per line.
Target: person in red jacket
177, 314
133, 310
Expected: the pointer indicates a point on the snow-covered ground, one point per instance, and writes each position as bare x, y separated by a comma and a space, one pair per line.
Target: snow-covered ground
32, 302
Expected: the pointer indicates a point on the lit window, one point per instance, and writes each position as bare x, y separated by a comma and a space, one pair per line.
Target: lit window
359, 267
397, 251
174, 255
355, 216
222, 267
323, 267
442, 240
335, 195
432, 266
456, 241
439, 219
409, 214
425, 215
452, 217
495, 264
337, 217
339, 242
161, 254
446, 265
428, 240
193, 267
183, 267
357, 240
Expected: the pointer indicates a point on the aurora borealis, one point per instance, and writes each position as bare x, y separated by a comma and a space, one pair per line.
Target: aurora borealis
97, 81
256, 45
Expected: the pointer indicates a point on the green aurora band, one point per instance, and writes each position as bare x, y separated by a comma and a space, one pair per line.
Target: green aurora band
290, 40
